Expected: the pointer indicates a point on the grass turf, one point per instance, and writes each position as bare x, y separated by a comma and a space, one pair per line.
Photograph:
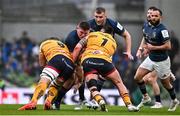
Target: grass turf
69, 110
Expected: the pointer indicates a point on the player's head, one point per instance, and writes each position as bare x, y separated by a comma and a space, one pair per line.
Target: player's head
149, 12
100, 15
83, 29
156, 17
51, 38
107, 29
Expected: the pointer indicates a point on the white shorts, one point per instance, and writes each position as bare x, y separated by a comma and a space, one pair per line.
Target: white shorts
162, 68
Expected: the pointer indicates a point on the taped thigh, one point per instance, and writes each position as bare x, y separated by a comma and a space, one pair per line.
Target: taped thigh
49, 73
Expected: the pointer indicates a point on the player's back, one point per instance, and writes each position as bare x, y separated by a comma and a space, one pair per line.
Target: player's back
52, 47
100, 45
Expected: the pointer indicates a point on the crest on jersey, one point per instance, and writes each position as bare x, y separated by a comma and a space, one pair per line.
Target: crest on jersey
154, 35
165, 33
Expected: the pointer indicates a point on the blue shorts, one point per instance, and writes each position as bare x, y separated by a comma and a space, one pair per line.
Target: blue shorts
62, 65
97, 66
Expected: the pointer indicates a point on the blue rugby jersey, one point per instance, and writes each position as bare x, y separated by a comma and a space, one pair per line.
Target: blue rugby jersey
156, 35
118, 28
71, 40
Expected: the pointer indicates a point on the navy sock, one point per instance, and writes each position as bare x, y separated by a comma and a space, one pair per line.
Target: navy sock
81, 92
158, 98
172, 93
61, 94
142, 87
100, 84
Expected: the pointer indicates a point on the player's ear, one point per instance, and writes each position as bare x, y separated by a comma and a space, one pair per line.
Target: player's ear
161, 17
77, 27
105, 15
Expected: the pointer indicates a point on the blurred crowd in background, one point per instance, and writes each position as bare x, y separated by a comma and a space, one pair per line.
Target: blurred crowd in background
19, 61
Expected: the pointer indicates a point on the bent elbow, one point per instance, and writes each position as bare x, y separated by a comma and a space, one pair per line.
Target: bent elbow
169, 47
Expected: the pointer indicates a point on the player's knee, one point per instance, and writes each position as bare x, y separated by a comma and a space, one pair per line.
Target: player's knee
151, 81
137, 78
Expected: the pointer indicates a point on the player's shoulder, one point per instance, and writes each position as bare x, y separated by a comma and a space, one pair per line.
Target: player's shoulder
163, 30
94, 33
72, 35
115, 25
49, 40
146, 23
111, 22
162, 26
91, 21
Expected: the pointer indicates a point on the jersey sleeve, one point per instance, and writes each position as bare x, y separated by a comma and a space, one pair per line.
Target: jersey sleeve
118, 28
92, 25
69, 43
165, 35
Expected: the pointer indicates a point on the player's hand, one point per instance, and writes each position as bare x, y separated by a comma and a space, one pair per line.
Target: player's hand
149, 47
129, 55
139, 54
76, 86
145, 52
77, 82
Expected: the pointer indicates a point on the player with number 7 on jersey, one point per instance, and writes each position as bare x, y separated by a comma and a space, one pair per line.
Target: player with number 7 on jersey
97, 60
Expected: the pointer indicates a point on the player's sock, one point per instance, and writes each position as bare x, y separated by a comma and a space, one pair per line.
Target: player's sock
126, 99
142, 87
100, 83
39, 91
81, 92
172, 93
98, 98
52, 93
61, 94
158, 98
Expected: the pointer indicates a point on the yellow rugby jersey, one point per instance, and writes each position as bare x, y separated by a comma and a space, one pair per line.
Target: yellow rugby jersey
50, 48
99, 45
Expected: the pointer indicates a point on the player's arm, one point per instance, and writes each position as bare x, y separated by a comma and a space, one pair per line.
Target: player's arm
42, 59
166, 40
140, 50
69, 42
78, 48
165, 46
120, 30
141, 44
127, 38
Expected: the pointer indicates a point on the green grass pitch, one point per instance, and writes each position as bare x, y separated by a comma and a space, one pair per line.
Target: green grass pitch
68, 110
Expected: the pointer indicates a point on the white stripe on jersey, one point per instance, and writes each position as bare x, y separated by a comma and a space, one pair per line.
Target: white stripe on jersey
119, 26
